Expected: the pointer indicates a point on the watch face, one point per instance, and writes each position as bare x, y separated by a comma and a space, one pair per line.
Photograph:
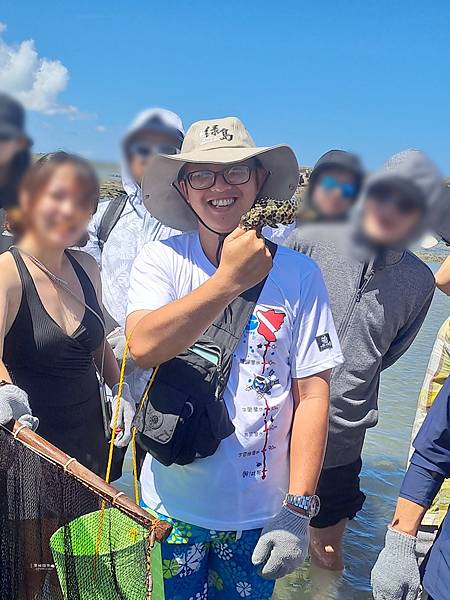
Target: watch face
314, 506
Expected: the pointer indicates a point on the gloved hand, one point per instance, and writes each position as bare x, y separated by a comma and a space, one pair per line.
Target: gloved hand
14, 405
283, 545
127, 409
117, 340
425, 539
395, 575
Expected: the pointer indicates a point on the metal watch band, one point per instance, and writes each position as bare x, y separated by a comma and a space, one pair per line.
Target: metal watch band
310, 504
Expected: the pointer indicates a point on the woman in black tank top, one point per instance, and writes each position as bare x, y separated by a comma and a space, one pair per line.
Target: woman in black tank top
53, 341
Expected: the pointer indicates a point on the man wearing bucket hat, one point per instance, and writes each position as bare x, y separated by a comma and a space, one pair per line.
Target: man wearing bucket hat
242, 513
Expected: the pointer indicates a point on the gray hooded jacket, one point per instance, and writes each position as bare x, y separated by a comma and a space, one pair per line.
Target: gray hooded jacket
379, 302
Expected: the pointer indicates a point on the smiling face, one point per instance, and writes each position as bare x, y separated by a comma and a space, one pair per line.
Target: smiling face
60, 212
221, 205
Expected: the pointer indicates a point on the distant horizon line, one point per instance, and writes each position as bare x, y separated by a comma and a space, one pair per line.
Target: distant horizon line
116, 163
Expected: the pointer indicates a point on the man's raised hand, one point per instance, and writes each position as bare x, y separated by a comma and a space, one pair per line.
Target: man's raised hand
245, 260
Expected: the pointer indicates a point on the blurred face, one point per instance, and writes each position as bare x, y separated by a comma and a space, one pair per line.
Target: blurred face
61, 213
334, 193
9, 147
145, 144
221, 194
390, 217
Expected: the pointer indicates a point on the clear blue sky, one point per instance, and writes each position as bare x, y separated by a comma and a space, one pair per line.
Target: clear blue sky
373, 76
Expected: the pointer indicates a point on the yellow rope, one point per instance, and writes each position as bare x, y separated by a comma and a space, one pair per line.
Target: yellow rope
133, 456
111, 444
116, 412
111, 447
133, 436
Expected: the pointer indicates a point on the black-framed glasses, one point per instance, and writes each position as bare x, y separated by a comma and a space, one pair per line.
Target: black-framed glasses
205, 179
144, 150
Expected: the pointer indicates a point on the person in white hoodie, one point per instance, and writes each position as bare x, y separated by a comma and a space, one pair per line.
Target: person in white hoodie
122, 225
118, 231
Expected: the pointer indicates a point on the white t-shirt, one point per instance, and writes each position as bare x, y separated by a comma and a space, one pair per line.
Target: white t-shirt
290, 335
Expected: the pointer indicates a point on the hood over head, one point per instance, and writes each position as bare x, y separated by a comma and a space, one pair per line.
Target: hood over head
415, 173
158, 120
334, 159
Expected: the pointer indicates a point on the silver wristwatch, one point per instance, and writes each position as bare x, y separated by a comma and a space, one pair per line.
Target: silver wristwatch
310, 504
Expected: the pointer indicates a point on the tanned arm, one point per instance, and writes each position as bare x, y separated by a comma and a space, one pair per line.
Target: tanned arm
408, 516
161, 334
309, 432
443, 276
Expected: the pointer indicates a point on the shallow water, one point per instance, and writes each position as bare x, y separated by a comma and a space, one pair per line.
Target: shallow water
385, 456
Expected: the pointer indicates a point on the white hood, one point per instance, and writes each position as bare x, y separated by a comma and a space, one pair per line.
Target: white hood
168, 121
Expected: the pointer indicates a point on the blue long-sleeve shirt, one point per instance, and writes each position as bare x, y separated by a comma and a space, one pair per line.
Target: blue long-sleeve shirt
430, 465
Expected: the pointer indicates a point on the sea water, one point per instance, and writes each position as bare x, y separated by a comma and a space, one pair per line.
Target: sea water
385, 456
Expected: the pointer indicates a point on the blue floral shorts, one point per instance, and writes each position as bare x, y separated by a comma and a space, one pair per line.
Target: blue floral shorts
200, 564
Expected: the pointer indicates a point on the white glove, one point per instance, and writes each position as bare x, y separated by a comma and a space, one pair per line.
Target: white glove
396, 575
117, 340
283, 545
14, 405
127, 410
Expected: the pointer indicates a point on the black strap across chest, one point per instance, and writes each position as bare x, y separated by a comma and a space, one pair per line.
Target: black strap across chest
229, 326
109, 219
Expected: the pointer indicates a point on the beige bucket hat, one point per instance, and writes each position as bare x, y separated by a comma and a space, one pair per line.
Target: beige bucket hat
217, 141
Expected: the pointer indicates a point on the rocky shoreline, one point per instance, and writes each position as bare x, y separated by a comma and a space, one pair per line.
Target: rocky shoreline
111, 188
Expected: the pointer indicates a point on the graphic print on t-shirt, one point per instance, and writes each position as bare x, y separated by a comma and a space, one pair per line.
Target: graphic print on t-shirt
195, 493
266, 323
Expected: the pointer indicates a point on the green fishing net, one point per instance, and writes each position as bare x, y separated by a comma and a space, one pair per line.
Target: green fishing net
57, 544
108, 566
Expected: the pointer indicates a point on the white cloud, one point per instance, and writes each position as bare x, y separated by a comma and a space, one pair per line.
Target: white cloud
37, 82
100, 128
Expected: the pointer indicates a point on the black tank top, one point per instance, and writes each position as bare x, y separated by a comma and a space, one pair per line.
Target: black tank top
36, 345
57, 370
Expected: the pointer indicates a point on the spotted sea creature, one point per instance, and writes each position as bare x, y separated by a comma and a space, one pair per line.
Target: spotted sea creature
271, 212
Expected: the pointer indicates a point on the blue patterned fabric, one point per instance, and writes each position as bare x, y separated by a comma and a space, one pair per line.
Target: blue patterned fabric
200, 564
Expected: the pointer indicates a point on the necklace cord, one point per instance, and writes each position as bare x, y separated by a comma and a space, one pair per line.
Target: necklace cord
64, 286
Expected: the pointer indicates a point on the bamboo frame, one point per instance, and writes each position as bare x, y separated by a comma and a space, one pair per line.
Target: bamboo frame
119, 500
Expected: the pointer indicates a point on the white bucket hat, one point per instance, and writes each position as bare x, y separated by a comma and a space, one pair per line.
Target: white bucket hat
216, 141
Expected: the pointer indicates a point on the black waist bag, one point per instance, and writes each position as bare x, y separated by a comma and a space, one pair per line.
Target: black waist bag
182, 415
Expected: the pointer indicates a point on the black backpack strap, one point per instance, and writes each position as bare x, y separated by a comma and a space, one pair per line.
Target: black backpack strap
230, 325
109, 219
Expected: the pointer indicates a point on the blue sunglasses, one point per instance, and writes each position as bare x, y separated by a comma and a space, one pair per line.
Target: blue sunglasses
348, 190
